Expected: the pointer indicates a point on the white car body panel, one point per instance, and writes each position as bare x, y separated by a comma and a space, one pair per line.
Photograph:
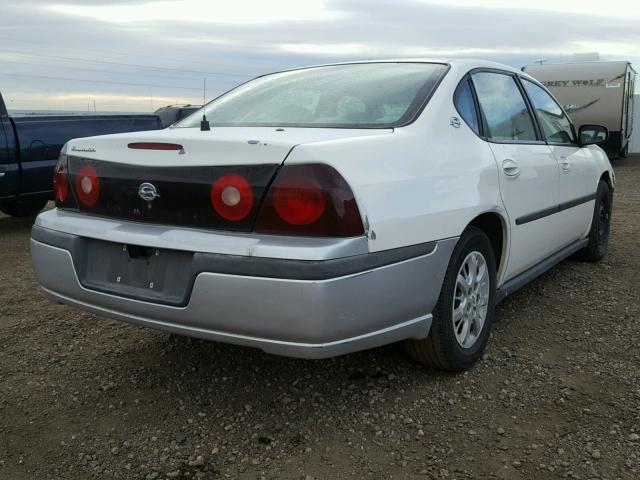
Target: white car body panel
534, 188
368, 159
220, 146
400, 180
416, 185
577, 167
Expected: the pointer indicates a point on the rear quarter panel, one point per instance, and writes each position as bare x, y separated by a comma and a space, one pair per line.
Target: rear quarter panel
419, 183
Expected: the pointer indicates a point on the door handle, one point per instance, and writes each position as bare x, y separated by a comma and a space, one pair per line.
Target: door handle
564, 163
510, 167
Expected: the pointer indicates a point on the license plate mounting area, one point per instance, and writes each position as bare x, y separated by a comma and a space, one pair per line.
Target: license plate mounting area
136, 271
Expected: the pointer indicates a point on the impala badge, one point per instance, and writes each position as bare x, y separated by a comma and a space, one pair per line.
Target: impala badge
82, 149
148, 192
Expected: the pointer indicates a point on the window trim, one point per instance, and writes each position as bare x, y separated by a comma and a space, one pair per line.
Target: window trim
523, 79
3, 110
485, 127
411, 115
467, 79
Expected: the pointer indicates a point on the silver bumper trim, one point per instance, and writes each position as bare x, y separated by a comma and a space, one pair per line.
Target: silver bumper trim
416, 328
293, 317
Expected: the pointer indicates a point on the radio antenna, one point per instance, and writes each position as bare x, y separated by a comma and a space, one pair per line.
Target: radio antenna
204, 124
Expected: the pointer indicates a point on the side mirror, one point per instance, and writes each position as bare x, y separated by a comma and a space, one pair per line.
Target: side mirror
592, 134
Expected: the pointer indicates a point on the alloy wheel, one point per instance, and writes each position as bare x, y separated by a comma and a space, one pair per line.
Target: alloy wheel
471, 299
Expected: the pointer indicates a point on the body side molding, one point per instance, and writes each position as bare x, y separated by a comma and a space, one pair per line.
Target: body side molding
530, 217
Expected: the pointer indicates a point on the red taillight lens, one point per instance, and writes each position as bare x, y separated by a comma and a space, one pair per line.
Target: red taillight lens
312, 200
298, 200
87, 186
61, 182
232, 197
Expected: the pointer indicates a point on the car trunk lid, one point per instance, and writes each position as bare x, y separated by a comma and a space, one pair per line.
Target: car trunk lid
168, 177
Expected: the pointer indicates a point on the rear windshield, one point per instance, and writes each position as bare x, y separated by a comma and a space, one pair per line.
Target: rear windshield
378, 95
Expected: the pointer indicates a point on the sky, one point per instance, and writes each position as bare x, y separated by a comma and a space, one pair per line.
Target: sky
138, 55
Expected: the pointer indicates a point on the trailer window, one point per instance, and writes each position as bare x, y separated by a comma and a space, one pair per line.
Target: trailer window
554, 122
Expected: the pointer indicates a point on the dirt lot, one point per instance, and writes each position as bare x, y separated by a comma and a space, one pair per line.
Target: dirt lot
556, 396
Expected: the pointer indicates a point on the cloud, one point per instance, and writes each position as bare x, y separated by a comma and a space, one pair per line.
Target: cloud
202, 11
616, 9
152, 47
339, 49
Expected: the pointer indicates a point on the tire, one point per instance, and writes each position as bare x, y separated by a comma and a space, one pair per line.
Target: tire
598, 237
442, 349
24, 207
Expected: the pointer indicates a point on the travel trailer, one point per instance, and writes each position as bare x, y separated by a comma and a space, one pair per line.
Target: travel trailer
594, 93
635, 137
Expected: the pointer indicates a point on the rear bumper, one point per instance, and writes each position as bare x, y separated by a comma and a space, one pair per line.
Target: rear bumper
317, 309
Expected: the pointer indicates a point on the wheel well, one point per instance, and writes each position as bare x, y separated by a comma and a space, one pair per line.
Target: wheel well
607, 178
493, 225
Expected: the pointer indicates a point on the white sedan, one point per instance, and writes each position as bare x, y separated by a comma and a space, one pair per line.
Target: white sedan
324, 210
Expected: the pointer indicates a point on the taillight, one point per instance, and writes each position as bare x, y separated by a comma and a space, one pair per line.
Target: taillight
312, 200
87, 186
298, 200
61, 182
232, 197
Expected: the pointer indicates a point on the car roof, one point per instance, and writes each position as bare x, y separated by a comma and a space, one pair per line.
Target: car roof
461, 63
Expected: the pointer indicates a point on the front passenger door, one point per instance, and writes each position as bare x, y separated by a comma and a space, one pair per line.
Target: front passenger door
577, 166
528, 171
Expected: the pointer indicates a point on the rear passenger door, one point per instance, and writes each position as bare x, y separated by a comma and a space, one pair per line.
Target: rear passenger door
527, 168
577, 166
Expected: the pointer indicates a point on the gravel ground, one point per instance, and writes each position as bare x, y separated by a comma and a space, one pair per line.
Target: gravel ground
557, 395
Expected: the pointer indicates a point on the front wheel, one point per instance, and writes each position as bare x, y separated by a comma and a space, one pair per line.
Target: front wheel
464, 313
598, 244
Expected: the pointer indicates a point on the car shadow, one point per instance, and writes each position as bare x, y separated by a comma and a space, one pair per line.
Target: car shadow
249, 376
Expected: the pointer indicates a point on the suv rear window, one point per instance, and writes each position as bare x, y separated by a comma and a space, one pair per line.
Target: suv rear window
366, 95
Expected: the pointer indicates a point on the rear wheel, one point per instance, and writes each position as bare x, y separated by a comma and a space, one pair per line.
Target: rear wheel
23, 207
598, 244
464, 313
